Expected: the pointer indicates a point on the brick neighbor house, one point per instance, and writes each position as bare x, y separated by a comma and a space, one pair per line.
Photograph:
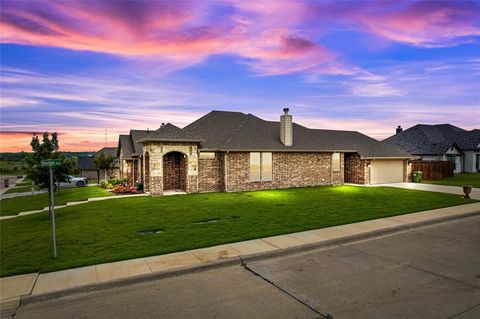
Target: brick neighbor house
233, 151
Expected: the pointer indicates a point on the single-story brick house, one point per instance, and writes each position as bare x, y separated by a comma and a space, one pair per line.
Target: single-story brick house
86, 166
233, 151
441, 142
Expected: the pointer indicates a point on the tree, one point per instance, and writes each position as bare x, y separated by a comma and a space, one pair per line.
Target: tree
47, 149
105, 163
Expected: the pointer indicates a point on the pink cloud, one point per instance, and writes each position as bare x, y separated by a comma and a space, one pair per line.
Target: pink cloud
425, 23
176, 31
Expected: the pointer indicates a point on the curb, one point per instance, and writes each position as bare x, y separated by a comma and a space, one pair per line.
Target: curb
238, 260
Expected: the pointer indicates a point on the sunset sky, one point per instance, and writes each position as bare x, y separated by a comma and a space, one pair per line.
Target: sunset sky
80, 67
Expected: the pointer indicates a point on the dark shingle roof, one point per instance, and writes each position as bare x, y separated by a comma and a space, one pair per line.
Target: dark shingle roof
125, 146
424, 139
137, 135
85, 163
168, 133
241, 132
107, 151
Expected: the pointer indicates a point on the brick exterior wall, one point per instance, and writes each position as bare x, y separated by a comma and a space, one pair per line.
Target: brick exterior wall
146, 177
290, 169
174, 171
356, 169
211, 176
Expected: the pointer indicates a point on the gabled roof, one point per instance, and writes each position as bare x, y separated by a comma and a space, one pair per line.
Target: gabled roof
235, 131
423, 139
137, 135
125, 147
170, 133
107, 151
85, 163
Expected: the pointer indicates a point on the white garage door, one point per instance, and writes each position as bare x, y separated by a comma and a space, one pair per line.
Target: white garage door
387, 171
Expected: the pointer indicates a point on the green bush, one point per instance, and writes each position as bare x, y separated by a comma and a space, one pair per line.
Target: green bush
139, 186
109, 186
116, 181
103, 184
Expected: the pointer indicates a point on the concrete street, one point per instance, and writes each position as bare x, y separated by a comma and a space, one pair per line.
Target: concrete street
432, 272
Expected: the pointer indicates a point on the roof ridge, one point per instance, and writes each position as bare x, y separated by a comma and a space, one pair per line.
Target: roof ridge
237, 129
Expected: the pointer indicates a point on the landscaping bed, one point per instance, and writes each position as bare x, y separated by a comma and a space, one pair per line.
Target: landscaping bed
119, 229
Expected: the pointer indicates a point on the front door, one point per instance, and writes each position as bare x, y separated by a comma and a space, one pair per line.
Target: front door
174, 171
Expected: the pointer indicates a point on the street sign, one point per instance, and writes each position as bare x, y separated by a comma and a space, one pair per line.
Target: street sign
50, 162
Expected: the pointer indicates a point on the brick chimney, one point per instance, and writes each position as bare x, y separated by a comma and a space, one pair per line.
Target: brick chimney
399, 129
286, 128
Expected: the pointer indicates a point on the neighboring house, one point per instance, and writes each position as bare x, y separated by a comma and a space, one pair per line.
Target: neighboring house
86, 165
441, 142
233, 151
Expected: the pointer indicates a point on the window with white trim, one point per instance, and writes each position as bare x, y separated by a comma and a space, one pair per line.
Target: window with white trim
261, 167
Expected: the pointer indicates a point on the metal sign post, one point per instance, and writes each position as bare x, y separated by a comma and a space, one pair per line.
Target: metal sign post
51, 163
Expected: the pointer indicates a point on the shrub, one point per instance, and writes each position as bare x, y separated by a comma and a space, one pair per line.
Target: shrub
109, 186
116, 181
139, 186
103, 184
124, 188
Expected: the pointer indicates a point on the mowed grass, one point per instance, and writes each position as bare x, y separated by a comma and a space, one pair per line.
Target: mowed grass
12, 206
22, 189
12, 167
106, 231
459, 179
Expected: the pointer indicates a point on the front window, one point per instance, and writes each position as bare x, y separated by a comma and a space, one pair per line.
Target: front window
451, 158
260, 166
336, 162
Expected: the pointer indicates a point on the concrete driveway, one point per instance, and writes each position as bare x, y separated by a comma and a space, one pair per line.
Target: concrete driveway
432, 272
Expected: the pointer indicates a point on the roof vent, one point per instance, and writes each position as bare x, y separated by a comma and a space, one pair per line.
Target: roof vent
163, 124
286, 128
399, 129
148, 130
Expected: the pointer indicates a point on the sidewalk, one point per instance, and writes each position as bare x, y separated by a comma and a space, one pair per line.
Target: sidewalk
89, 200
54, 284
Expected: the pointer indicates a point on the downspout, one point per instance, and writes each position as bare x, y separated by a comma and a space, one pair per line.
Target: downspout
225, 171
331, 169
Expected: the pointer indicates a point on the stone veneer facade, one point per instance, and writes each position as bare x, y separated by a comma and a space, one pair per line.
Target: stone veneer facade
156, 152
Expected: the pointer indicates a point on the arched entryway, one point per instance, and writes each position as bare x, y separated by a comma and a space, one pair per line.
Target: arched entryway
146, 159
174, 171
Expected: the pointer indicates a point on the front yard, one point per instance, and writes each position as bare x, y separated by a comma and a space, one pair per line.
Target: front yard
127, 228
459, 179
13, 206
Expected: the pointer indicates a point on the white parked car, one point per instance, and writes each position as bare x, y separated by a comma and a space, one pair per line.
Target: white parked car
74, 181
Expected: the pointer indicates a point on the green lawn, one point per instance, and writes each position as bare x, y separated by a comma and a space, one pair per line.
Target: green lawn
12, 206
459, 179
12, 167
111, 230
22, 189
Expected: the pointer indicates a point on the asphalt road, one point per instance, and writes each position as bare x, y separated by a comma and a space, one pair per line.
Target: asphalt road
433, 272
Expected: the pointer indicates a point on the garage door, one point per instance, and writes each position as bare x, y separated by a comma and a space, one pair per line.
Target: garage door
387, 171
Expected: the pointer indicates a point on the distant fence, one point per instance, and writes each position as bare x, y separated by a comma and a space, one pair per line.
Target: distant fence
433, 170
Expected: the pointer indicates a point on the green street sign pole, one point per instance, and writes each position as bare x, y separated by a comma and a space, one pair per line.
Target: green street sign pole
52, 213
